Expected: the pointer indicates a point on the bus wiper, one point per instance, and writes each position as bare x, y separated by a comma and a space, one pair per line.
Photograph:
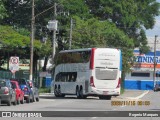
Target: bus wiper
111, 68
106, 67
100, 67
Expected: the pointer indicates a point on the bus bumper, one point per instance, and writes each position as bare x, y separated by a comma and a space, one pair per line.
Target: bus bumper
110, 92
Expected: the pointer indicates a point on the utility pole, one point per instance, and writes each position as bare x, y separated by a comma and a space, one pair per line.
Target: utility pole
54, 33
70, 35
31, 42
154, 71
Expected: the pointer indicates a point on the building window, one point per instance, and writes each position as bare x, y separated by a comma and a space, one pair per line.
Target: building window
157, 75
137, 74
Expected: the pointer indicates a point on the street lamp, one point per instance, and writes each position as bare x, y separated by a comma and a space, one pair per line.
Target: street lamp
52, 26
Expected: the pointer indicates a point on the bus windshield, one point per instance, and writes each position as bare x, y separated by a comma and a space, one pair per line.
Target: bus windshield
106, 74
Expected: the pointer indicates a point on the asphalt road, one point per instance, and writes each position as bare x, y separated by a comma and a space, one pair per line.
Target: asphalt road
66, 106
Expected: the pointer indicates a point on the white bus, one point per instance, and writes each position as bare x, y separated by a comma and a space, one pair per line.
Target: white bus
88, 72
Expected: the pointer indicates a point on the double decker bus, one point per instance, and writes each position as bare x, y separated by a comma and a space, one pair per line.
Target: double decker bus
88, 72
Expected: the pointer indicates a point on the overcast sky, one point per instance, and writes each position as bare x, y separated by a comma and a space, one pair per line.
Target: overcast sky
156, 29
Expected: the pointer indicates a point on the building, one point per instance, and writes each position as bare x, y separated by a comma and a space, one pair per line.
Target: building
141, 75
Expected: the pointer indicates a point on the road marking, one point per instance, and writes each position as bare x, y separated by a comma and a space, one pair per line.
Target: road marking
138, 97
93, 117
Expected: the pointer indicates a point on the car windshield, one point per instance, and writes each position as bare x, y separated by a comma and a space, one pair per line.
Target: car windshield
2, 83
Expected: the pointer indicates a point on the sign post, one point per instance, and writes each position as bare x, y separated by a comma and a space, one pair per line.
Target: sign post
14, 65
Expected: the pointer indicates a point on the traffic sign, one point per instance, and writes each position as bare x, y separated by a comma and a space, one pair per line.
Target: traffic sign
14, 64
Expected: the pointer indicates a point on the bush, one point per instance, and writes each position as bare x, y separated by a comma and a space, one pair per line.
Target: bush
44, 90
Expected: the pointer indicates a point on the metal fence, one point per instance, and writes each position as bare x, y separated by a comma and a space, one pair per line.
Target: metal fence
5, 74
40, 81
18, 74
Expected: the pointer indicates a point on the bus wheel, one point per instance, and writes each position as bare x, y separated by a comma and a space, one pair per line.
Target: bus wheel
77, 93
59, 92
81, 94
62, 95
56, 92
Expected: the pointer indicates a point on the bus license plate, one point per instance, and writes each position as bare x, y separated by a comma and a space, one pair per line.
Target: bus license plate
105, 92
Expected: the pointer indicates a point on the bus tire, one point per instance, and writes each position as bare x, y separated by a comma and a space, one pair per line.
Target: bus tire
77, 93
59, 91
62, 95
81, 93
56, 91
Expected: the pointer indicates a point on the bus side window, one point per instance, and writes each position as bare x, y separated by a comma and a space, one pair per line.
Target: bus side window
72, 79
70, 76
57, 77
74, 76
68, 80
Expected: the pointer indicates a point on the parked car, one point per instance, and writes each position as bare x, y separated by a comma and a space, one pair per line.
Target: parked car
26, 89
7, 93
34, 89
157, 88
19, 92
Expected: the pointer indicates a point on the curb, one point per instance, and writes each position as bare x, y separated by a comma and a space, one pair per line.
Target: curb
46, 94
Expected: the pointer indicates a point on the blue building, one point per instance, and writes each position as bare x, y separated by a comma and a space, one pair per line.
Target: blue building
141, 75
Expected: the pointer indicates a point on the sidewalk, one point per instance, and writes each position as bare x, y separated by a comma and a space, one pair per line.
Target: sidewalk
46, 95
133, 94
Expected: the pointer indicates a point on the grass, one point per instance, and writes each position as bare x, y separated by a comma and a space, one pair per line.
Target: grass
122, 90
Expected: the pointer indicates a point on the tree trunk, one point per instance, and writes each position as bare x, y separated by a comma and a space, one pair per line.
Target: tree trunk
45, 64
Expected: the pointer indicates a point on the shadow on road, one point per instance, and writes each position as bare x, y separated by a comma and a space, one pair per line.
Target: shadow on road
67, 97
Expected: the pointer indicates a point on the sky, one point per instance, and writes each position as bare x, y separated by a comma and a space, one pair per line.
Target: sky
156, 28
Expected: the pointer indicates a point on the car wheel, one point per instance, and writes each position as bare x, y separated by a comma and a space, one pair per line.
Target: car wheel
9, 103
15, 102
37, 99
18, 101
33, 99
28, 100
22, 101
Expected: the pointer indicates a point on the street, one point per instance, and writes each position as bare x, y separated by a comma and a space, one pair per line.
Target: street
148, 102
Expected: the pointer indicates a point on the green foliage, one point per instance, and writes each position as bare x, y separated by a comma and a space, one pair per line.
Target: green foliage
96, 23
44, 90
12, 39
76, 7
131, 16
2, 10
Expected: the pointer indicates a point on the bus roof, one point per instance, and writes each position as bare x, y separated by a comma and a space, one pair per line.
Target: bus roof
74, 50
83, 49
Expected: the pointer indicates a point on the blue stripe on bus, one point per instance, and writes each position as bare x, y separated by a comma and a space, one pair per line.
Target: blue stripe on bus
139, 84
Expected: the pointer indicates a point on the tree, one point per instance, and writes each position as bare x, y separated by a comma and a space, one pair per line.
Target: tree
20, 19
95, 33
2, 10
131, 16
100, 23
13, 43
